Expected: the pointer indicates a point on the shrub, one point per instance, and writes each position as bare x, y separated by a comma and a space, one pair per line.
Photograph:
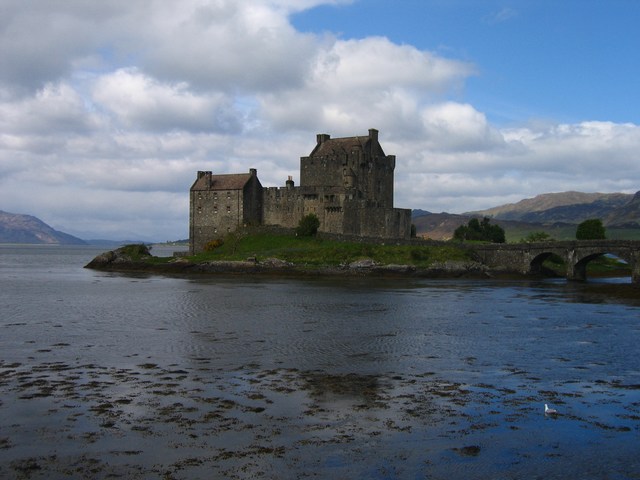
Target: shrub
308, 226
537, 237
211, 245
233, 239
591, 229
480, 231
135, 250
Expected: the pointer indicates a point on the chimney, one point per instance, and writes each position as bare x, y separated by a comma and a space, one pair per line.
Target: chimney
322, 137
289, 182
253, 172
373, 134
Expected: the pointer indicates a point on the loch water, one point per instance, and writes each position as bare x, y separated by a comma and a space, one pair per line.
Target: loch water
107, 375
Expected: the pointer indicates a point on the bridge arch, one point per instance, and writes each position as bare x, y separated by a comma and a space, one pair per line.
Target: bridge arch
535, 264
577, 263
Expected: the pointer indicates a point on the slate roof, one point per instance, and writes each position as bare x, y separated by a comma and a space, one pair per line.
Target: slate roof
232, 181
334, 146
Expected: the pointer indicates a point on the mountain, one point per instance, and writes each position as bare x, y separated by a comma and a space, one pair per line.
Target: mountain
437, 226
615, 209
555, 213
440, 226
627, 216
16, 228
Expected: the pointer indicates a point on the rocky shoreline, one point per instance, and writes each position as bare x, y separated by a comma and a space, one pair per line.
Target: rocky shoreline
119, 261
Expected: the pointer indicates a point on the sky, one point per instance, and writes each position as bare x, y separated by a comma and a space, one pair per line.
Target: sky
109, 109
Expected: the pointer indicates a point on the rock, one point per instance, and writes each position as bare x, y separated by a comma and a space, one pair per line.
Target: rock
365, 263
276, 263
469, 450
126, 255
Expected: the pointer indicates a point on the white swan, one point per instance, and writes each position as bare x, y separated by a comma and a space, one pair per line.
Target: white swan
549, 411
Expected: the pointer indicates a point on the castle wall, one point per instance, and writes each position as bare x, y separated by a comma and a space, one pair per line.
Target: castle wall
355, 163
337, 211
282, 206
385, 222
252, 202
214, 214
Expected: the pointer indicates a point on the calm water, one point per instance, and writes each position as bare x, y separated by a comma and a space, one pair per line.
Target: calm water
105, 374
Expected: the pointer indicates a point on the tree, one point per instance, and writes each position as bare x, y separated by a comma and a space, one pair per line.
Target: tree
480, 231
537, 237
308, 226
591, 229
233, 239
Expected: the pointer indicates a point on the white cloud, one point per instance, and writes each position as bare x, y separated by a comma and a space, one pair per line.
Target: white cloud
500, 16
141, 102
358, 84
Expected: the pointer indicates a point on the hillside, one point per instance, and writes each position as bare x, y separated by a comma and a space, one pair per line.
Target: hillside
565, 207
554, 213
440, 226
16, 228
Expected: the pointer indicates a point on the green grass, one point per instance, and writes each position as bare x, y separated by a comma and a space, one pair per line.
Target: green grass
317, 252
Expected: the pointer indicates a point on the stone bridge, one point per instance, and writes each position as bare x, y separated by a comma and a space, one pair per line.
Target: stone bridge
527, 258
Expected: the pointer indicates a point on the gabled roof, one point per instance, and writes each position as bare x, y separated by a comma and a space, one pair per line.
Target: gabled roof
335, 145
327, 146
232, 181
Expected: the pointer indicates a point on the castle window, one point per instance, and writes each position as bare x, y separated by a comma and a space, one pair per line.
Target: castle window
215, 210
228, 195
215, 195
199, 209
228, 209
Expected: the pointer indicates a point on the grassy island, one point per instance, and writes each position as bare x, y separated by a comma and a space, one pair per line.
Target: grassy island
284, 254
320, 252
274, 253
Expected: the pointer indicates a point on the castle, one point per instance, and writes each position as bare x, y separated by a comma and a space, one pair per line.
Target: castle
346, 182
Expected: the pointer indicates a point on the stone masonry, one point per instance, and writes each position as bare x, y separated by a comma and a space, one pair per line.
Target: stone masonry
346, 182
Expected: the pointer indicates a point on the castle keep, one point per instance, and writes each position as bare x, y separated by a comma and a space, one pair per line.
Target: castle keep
346, 182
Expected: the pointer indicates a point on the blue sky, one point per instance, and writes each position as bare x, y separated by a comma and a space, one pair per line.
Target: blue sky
108, 109
564, 60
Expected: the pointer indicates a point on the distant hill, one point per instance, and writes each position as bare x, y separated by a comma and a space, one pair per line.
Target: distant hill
437, 226
626, 216
16, 228
615, 209
554, 213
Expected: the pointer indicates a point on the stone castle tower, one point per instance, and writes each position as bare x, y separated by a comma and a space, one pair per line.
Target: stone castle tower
346, 182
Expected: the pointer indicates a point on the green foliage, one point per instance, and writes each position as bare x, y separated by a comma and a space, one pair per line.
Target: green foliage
477, 230
308, 226
537, 237
135, 250
211, 245
591, 229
